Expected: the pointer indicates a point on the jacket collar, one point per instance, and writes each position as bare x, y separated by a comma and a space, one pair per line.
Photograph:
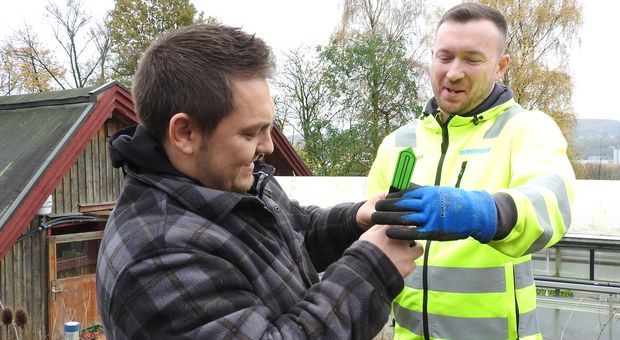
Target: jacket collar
135, 147
145, 159
499, 95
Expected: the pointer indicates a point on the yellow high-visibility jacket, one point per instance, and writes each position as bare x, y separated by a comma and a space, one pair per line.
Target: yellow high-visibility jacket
464, 289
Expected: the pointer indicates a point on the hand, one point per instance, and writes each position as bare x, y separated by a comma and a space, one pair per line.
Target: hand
438, 213
402, 253
364, 213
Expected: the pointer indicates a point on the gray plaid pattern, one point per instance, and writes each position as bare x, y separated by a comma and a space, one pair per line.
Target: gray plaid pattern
181, 261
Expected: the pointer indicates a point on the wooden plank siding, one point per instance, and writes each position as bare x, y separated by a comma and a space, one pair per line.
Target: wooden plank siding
24, 281
112, 127
23, 284
92, 180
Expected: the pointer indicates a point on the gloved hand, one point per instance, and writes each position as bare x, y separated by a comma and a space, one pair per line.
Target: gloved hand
438, 213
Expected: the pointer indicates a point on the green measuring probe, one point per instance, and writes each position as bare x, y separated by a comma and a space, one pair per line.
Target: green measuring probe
400, 181
404, 170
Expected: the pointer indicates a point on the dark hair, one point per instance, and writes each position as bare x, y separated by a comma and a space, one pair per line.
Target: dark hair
469, 11
189, 70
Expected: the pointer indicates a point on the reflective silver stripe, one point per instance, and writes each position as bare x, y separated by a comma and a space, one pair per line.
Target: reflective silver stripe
501, 121
528, 324
461, 280
414, 280
556, 185
466, 328
448, 327
409, 319
405, 135
471, 280
542, 215
523, 275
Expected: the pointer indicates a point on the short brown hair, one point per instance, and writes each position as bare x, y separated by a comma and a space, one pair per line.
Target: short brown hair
469, 11
189, 70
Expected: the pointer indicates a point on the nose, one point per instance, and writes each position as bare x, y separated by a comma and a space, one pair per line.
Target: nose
265, 145
455, 71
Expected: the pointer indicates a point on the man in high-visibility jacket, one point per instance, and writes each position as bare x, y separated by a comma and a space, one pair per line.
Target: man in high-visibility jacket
494, 185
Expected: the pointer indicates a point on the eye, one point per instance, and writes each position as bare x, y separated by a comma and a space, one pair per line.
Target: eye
474, 61
250, 134
255, 133
267, 130
444, 58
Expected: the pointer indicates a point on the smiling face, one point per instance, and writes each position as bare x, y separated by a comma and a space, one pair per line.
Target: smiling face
466, 61
225, 156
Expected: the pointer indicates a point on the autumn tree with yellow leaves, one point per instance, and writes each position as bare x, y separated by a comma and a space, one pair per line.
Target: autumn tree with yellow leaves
541, 35
27, 66
133, 24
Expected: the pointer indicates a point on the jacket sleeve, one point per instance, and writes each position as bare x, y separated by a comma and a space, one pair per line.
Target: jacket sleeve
325, 233
186, 295
328, 232
542, 185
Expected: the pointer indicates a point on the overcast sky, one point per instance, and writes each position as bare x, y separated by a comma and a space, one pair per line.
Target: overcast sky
287, 24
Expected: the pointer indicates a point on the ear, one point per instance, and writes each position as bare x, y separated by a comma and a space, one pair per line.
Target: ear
502, 66
183, 133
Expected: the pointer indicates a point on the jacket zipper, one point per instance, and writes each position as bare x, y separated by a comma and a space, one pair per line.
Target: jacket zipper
514, 279
445, 140
425, 292
458, 179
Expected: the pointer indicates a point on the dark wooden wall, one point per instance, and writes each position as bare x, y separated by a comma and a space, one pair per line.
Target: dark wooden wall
91, 180
24, 284
24, 281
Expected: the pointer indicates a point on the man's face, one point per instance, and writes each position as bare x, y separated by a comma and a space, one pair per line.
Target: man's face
466, 62
226, 155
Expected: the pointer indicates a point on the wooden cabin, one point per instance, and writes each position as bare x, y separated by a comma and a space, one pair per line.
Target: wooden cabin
57, 188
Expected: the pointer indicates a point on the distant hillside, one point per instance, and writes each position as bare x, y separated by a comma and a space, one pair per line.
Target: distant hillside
596, 137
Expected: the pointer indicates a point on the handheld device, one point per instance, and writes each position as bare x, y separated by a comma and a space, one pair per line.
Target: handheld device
404, 169
400, 181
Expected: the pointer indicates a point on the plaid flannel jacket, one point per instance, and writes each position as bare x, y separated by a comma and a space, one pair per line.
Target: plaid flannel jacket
181, 261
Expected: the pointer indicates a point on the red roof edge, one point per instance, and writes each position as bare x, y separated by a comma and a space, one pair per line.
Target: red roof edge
288, 152
113, 98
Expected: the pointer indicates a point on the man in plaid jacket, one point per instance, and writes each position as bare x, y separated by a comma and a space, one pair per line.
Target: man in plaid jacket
203, 242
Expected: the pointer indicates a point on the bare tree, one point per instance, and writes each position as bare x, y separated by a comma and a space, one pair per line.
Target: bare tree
8, 71
103, 43
37, 65
304, 103
71, 32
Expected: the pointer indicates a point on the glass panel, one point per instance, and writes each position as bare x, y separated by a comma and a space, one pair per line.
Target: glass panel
582, 320
543, 263
606, 264
76, 258
562, 262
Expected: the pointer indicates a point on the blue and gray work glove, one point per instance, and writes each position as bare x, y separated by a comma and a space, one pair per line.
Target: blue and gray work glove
438, 213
